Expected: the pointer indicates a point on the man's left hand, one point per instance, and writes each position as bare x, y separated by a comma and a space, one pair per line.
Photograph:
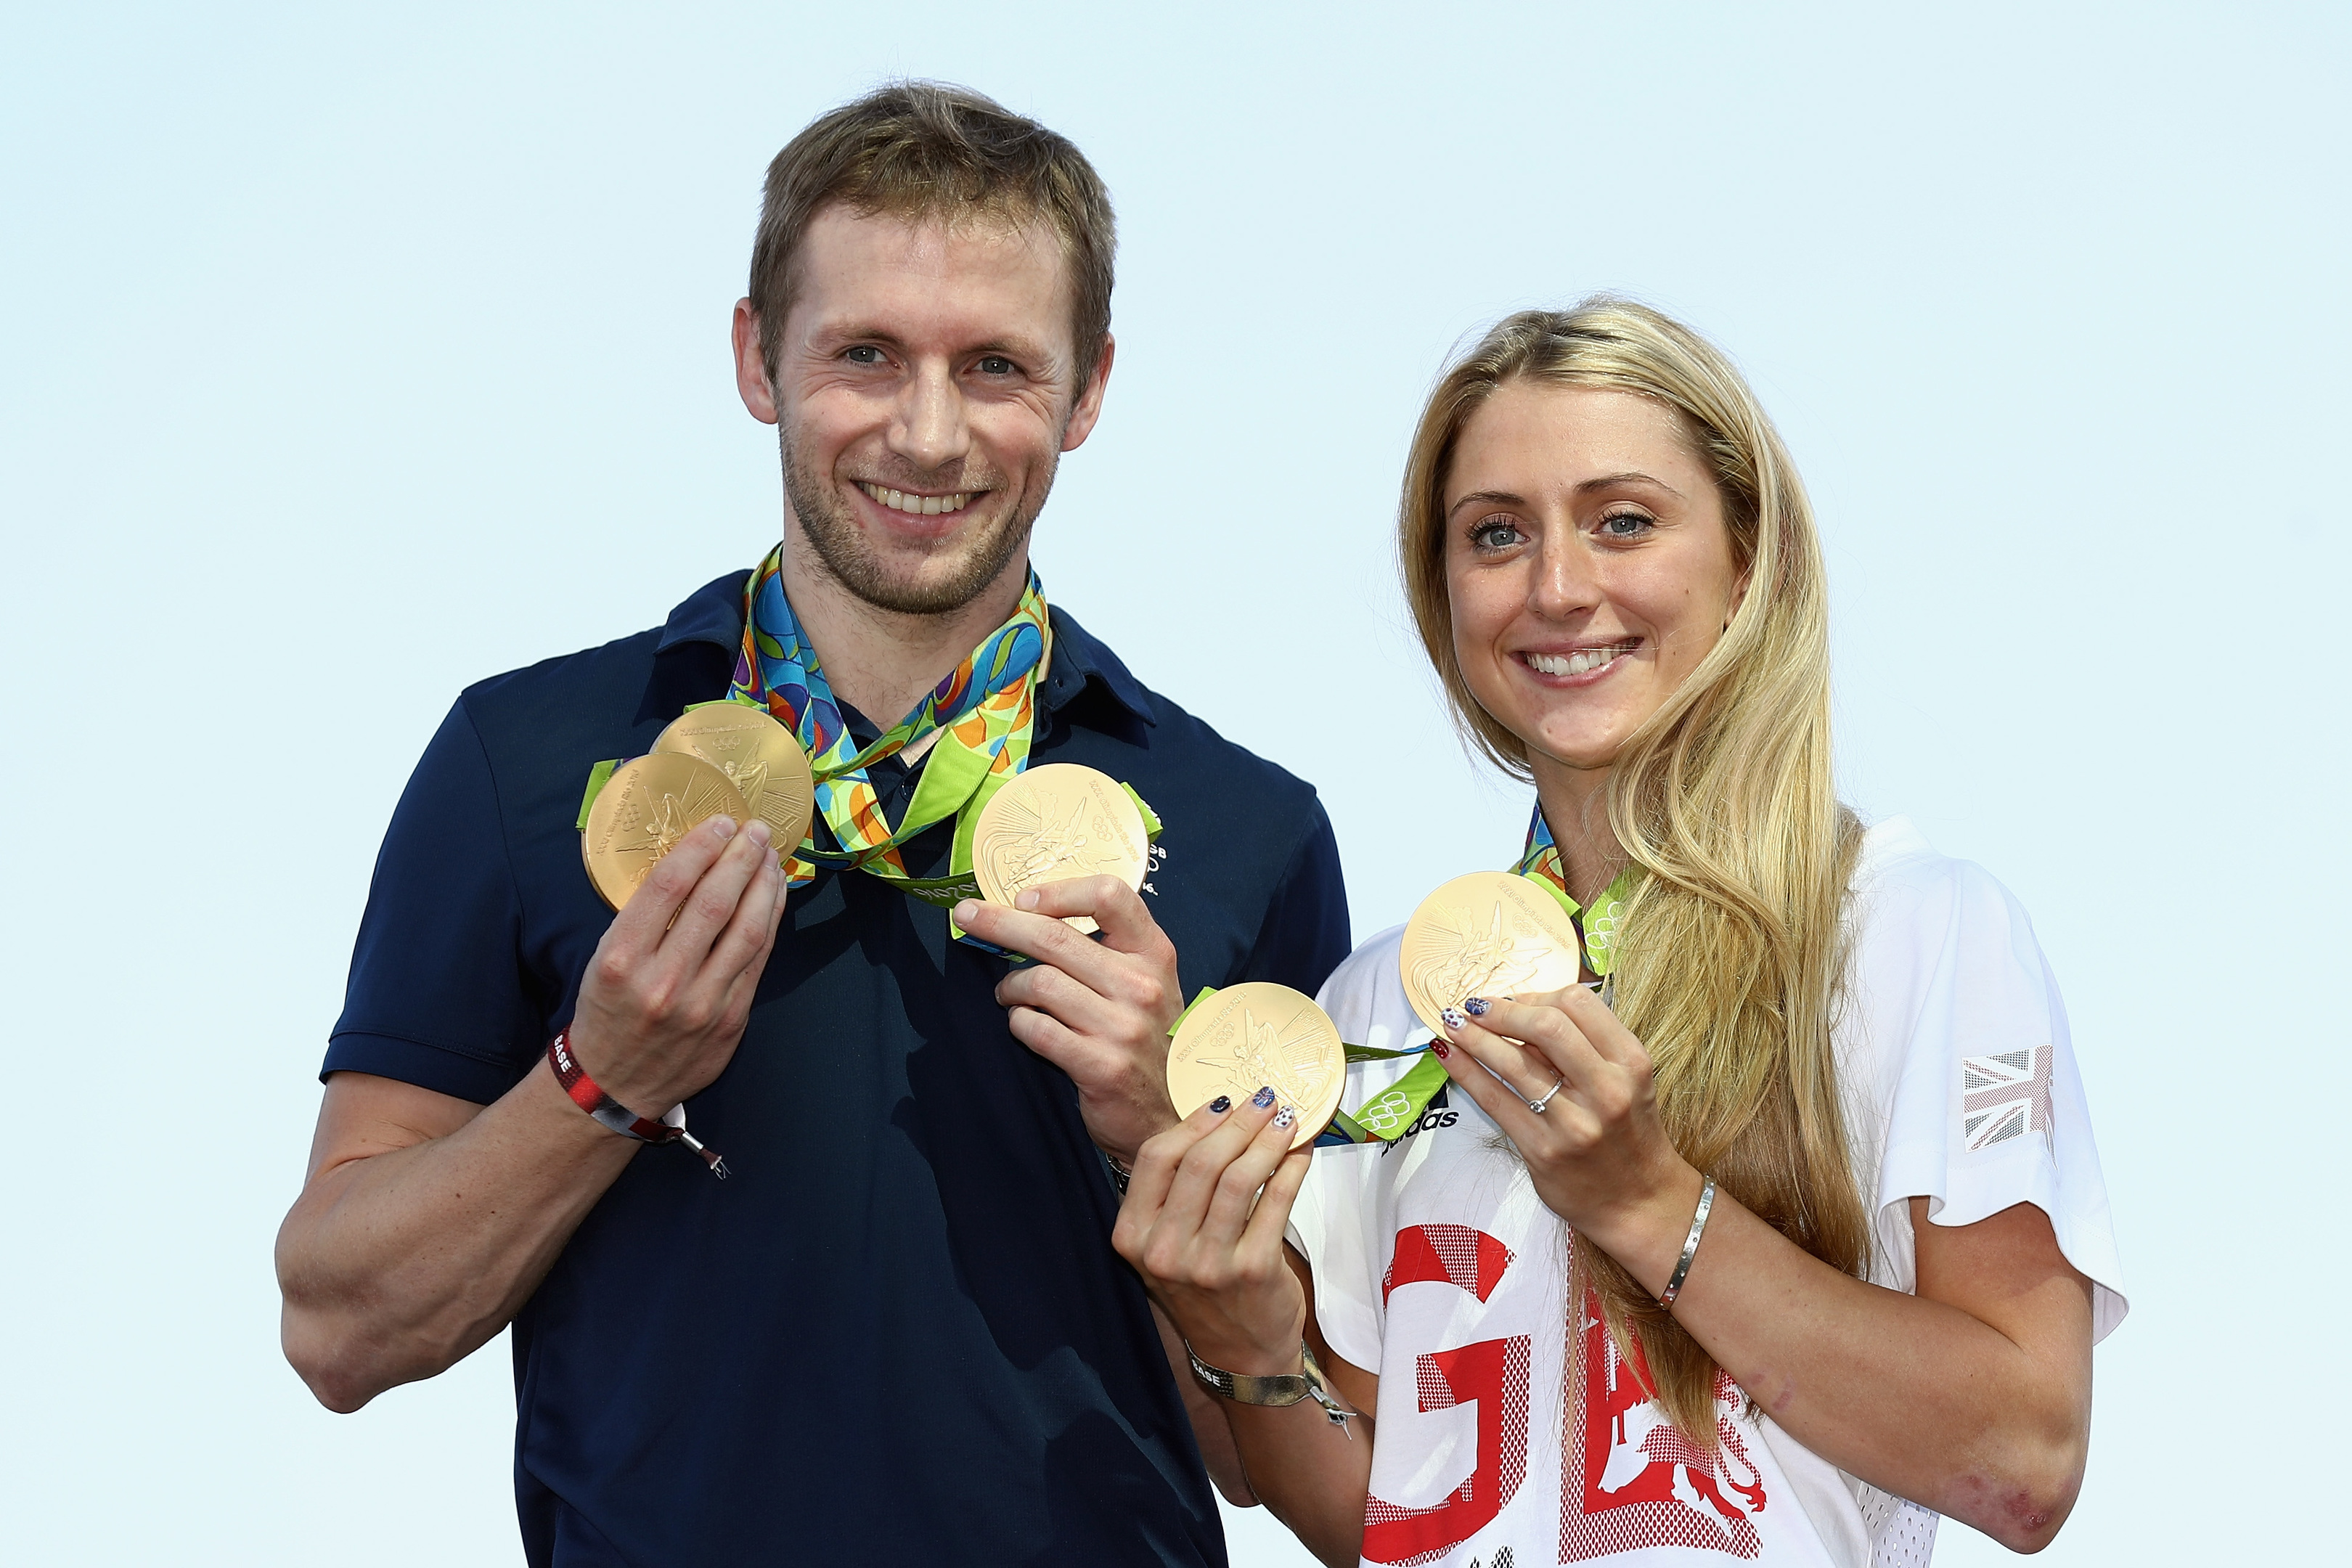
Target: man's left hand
1101, 1011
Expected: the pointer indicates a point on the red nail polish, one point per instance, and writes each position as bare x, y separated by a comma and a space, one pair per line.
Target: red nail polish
1441, 1048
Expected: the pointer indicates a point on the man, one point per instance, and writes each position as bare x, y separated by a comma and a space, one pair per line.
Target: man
896, 1331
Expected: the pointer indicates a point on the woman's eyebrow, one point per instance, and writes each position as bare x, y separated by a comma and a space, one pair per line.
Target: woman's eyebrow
1486, 498
1631, 476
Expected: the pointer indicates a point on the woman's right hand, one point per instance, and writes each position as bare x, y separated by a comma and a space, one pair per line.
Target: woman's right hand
1209, 1243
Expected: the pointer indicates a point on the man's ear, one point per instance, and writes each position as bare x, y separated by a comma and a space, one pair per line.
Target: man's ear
1088, 408
751, 366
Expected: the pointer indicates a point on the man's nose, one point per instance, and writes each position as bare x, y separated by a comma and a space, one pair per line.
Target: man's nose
1566, 582
929, 430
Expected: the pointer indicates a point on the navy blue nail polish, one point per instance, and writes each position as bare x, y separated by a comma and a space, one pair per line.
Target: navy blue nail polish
1476, 1006
1262, 1099
1220, 1105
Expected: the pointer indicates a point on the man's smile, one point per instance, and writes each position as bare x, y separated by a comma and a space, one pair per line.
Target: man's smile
915, 505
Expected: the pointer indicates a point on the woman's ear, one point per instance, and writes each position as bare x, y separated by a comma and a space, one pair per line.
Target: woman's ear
1738, 597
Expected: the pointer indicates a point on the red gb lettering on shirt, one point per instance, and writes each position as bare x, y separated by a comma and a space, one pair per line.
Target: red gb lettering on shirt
1634, 1481
1491, 1374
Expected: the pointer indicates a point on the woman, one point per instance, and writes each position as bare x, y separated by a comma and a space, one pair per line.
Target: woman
1795, 1241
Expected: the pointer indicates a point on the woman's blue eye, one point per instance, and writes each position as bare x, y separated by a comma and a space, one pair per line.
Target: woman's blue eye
1495, 533
1624, 525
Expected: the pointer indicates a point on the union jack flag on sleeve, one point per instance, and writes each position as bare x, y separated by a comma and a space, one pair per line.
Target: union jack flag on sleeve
2005, 1096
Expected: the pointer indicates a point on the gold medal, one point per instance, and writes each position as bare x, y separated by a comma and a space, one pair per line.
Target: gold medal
1258, 1034
1054, 822
1490, 934
760, 757
644, 808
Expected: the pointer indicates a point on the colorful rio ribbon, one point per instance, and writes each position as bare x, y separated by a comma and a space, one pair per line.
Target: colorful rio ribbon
1389, 1113
984, 712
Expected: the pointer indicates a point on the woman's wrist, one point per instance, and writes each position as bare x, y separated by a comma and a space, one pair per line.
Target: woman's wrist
1645, 1235
1231, 1348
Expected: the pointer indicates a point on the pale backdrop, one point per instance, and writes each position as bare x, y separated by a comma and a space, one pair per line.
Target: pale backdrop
347, 358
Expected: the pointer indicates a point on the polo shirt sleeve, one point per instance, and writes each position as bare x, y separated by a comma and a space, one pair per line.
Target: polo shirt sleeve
1305, 935
438, 995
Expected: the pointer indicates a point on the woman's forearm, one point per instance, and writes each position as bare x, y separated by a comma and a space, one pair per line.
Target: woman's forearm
1310, 1473
1971, 1398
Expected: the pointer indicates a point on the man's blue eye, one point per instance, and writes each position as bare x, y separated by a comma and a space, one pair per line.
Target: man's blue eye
864, 353
995, 364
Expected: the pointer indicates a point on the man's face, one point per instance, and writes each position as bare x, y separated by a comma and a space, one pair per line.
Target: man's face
924, 390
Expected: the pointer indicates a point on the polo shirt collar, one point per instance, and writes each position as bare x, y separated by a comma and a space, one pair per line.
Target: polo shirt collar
714, 613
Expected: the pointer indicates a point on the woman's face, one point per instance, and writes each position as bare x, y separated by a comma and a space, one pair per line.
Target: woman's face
1587, 561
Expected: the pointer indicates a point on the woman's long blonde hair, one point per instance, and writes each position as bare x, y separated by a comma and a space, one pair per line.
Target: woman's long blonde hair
1729, 959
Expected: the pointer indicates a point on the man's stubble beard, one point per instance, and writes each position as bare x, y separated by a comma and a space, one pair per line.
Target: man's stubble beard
842, 549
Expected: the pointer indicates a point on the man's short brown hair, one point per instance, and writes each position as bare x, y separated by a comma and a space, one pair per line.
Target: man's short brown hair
926, 149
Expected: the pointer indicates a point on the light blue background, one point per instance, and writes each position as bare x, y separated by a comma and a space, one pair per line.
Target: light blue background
347, 357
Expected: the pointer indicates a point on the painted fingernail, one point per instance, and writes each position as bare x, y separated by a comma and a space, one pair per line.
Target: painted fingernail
1220, 1105
1026, 902
1476, 1006
1263, 1097
1285, 1117
1453, 1018
722, 827
1441, 1048
965, 910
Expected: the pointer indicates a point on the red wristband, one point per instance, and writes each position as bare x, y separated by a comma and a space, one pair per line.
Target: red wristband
612, 1113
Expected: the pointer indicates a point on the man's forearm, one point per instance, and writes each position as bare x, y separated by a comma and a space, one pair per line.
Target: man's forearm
396, 1265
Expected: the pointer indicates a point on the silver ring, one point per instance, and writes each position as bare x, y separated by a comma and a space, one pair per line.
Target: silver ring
1537, 1105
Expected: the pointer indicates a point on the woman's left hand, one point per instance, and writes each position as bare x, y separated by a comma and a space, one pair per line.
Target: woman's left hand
1598, 1152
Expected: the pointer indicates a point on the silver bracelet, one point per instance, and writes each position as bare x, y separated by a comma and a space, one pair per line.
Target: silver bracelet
1280, 1390
1690, 1244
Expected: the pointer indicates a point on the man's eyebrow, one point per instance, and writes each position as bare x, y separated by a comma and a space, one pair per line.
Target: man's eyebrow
870, 332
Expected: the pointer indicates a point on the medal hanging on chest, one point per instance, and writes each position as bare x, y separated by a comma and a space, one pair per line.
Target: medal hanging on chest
781, 742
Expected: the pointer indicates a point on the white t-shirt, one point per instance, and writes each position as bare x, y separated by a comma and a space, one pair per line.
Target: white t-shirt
1437, 1266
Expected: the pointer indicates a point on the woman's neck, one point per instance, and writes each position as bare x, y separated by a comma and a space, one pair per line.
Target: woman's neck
1575, 803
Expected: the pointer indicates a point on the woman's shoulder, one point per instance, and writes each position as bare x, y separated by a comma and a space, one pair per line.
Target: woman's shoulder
1903, 886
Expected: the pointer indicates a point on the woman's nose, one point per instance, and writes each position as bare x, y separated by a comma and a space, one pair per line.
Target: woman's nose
1565, 583
930, 431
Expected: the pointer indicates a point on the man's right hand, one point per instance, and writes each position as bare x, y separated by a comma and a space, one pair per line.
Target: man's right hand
663, 1005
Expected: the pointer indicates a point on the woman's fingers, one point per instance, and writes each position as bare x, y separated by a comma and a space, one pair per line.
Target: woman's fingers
1236, 1193
1522, 1069
1272, 1216
1555, 1046
1156, 1162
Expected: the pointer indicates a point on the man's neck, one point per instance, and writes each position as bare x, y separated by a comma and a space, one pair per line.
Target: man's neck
882, 662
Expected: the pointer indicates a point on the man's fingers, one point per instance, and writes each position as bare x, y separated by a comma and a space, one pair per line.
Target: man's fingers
712, 904
743, 947
641, 922
1126, 923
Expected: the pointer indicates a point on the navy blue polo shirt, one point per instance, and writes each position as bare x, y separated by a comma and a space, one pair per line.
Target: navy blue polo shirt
897, 1332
